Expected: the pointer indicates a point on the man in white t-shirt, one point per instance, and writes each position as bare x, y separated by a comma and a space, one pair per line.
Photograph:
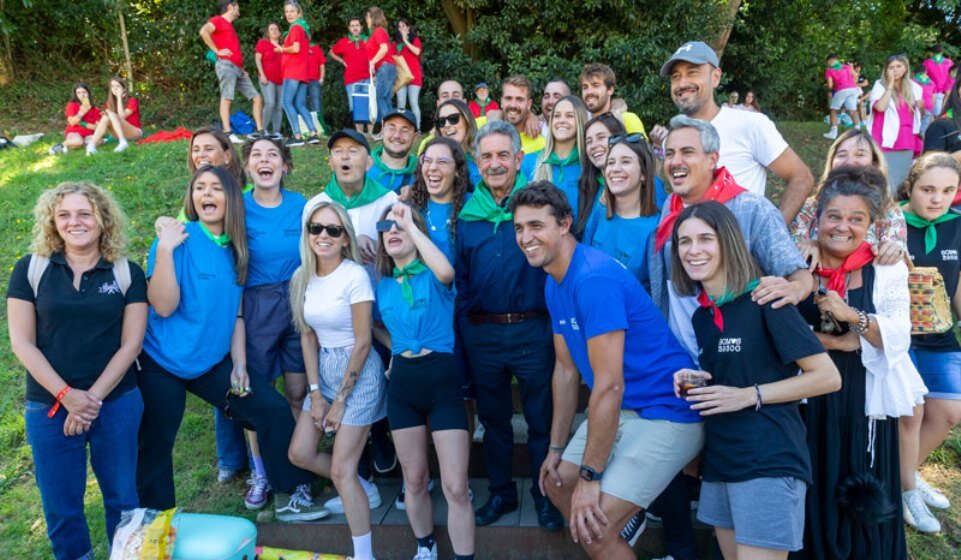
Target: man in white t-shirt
750, 143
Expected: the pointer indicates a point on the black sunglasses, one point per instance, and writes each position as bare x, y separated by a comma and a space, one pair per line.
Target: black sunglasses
441, 122
897, 55
384, 226
629, 138
316, 229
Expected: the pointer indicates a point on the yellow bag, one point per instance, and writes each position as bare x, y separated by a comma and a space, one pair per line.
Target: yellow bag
404, 75
930, 304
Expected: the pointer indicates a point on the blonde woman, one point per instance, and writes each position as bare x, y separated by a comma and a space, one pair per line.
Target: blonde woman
562, 160
896, 117
332, 302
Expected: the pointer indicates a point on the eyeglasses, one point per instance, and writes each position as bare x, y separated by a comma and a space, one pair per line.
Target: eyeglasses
440, 162
629, 138
314, 228
384, 226
441, 122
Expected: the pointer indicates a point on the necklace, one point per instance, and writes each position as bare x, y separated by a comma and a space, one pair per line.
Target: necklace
430, 222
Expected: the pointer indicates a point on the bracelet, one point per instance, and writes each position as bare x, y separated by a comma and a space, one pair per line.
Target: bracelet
558, 448
56, 405
760, 402
864, 323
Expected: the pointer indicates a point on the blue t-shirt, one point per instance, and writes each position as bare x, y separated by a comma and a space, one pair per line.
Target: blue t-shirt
660, 193
437, 216
598, 296
473, 172
391, 179
196, 336
529, 164
273, 238
626, 239
567, 178
428, 324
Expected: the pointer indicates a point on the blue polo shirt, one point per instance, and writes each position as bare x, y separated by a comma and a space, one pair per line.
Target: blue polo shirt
196, 337
391, 179
628, 240
273, 238
473, 172
598, 296
429, 323
437, 216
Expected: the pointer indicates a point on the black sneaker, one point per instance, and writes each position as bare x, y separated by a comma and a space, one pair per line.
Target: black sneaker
57, 149
634, 528
275, 136
385, 456
313, 139
293, 142
257, 135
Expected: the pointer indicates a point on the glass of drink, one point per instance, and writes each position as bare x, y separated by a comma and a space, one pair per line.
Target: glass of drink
691, 380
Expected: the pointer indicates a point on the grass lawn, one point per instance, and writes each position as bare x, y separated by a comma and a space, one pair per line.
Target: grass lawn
149, 181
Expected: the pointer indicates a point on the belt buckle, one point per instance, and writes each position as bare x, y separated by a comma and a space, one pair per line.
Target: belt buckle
514, 318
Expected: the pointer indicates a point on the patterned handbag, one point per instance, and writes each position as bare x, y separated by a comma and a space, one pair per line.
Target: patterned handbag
930, 305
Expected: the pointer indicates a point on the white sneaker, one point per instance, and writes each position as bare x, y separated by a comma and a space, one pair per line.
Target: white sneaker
831, 134
121, 146
336, 505
917, 515
426, 553
91, 149
235, 139
399, 502
932, 497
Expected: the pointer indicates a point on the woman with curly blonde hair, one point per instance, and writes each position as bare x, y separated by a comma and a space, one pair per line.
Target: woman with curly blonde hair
77, 311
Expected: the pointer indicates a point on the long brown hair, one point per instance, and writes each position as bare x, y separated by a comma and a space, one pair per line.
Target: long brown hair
589, 183
234, 218
420, 197
123, 98
377, 18
235, 166
646, 161
384, 262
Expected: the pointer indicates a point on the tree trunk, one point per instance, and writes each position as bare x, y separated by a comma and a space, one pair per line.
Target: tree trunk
6, 64
728, 15
461, 21
126, 48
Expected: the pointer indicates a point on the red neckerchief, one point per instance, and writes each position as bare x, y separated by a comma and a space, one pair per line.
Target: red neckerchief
723, 189
705, 301
837, 276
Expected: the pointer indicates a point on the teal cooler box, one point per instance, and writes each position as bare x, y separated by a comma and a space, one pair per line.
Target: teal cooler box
213, 537
361, 100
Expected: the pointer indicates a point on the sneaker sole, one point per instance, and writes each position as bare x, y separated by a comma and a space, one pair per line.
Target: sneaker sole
254, 507
316, 516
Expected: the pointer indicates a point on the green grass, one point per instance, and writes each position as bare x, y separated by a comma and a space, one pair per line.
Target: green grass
149, 181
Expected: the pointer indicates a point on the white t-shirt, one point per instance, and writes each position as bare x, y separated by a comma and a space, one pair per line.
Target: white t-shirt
363, 218
749, 143
328, 299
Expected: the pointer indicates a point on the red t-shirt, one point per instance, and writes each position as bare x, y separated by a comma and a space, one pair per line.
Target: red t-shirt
90, 117
315, 59
294, 66
224, 37
270, 60
355, 57
413, 62
134, 106
377, 38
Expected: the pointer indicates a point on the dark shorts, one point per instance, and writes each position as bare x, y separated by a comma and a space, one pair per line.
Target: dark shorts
273, 343
425, 389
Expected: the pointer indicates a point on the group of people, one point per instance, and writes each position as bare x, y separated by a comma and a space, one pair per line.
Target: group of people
421, 281
749, 104
87, 124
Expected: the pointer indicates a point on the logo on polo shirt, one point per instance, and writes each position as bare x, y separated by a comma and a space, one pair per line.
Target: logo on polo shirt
109, 288
949, 254
729, 345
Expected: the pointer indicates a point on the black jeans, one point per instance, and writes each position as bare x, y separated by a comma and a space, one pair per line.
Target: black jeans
165, 396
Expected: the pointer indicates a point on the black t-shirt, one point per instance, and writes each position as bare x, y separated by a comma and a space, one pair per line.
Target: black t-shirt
942, 136
945, 257
78, 331
759, 345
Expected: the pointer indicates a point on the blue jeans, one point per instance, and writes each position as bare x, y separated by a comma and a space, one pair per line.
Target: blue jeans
273, 105
61, 469
384, 82
315, 96
295, 104
231, 442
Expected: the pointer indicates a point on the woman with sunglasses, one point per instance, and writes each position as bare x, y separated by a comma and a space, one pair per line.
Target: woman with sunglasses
562, 160
454, 120
440, 190
895, 122
332, 302
416, 302
195, 342
624, 223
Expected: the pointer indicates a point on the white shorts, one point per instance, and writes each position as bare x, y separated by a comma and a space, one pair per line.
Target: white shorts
847, 98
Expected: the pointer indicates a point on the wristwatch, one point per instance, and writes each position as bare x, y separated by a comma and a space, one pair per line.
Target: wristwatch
313, 387
589, 474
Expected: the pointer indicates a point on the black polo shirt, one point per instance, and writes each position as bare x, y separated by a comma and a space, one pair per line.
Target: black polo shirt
759, 345
944, 256
78, 331
942, 136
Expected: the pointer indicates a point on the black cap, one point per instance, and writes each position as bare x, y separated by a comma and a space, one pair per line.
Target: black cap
348, 133
402, 113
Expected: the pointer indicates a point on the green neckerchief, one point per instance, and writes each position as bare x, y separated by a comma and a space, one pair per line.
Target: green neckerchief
221, 240
835, 66
938, 58
409, 170
361, 37
571, 158
481, 206
930, 231
372, 191
922, 78
482, 104
728, 297
602, 181
950, 113
303, 24
415, 267
400, 47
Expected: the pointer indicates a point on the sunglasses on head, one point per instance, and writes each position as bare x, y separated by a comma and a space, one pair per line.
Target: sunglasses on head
897, 55
628, 138
384, 226
314, 228
441, 122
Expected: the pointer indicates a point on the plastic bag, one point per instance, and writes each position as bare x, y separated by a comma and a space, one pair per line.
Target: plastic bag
269, 553
144, 534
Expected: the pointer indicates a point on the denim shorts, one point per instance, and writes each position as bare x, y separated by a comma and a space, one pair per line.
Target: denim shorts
762, 512
941, 372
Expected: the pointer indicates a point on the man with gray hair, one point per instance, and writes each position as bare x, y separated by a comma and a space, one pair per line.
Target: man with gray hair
503, 319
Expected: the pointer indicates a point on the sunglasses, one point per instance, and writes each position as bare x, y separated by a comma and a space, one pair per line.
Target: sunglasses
628, 138
897, 55
314, 228
441, 122
384, 226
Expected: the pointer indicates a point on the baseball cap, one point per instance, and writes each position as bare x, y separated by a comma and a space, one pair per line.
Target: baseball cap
695, 52
348, 133
402, 113
481, 85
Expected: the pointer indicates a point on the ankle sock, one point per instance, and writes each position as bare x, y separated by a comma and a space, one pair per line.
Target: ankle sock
362, 547
426, 542
259, 470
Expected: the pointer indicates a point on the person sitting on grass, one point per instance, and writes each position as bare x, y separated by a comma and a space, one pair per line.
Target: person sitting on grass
122, 117
82, 119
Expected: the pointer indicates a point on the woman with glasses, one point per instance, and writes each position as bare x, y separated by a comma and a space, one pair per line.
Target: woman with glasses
440, 190
624, 223
332, 302
896, 117
562, 160
454, 120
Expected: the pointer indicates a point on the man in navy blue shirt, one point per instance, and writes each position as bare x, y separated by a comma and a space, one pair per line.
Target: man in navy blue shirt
638, 434
504, 324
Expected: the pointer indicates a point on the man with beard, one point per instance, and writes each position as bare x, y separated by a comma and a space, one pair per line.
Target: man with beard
516, 103
750, 143
597, 91
394, 165
503, 318
554, 90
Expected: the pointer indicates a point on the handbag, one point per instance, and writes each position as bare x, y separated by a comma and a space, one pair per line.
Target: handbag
404, 75
930, 304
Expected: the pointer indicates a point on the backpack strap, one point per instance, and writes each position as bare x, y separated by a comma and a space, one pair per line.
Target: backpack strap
38, 265
121, 271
